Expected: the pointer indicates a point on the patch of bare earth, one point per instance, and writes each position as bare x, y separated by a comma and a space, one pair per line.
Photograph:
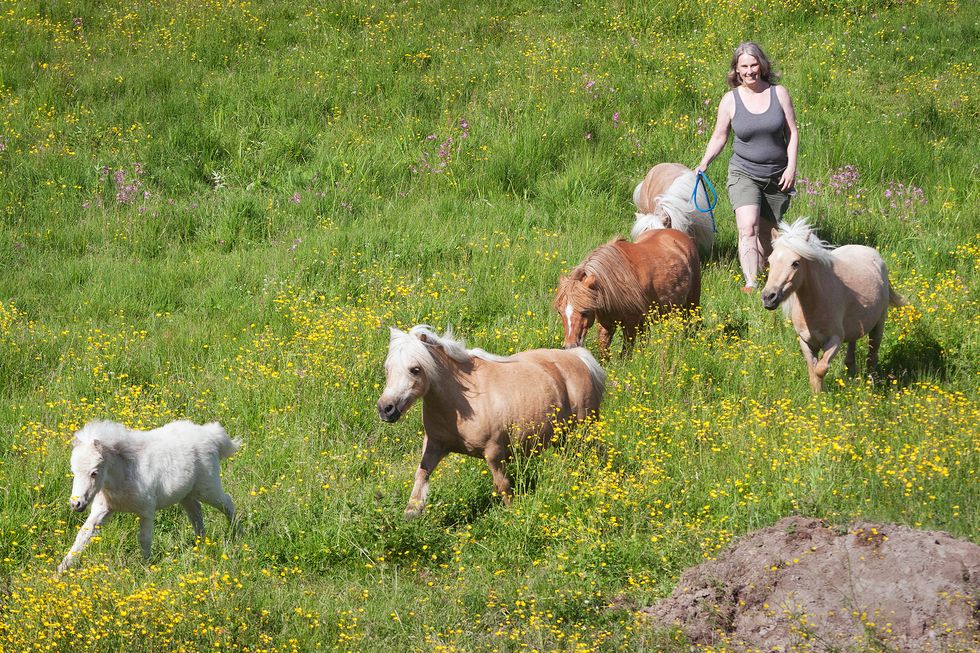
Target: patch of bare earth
801, 586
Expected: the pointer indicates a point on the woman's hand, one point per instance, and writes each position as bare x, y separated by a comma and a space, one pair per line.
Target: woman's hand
787, 179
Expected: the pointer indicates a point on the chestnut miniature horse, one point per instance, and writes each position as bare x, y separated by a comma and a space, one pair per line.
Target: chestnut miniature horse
621, 282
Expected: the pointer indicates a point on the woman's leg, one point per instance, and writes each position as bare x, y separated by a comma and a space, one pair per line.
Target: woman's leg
750, 252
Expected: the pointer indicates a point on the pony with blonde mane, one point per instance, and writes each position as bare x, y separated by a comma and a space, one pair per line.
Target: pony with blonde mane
831, 295
664, 201
483, 405
620, 283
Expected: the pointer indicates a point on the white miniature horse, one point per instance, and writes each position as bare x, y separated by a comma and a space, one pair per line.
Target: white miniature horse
121, 470
831, 295
664, 201
481, 405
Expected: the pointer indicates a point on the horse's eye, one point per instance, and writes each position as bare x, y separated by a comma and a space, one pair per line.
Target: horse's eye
94, 473
415, 371
796, 265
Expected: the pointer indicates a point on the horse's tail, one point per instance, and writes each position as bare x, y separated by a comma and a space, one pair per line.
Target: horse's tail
703, 227
595, 370
226, 446
645, 222
895, 299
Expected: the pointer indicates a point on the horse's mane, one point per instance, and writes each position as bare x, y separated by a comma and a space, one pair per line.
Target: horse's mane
617, 287
802, 239
113, 437
598, 374
408, 345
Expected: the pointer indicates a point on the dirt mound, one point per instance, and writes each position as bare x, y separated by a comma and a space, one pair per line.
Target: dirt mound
801, 586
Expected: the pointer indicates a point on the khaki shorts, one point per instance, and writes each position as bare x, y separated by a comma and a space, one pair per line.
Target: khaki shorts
746, 190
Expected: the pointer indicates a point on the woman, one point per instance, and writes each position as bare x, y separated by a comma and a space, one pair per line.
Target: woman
762, 170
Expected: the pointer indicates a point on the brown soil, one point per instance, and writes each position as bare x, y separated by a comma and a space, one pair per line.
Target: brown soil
801, 586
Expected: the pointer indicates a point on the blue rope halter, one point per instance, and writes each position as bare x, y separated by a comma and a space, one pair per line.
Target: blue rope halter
702, 180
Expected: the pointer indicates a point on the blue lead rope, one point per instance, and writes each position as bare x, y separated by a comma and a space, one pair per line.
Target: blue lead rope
702, 180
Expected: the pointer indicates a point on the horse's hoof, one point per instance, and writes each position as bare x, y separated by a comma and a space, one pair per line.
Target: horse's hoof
413, 513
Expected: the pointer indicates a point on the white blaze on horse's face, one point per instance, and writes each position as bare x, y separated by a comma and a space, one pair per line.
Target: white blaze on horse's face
577, 323
88, 468
785, 276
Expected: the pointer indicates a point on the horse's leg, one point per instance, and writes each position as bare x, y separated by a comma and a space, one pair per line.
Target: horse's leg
228, 508
829, 351
193, 509
849, 358
146, 532
874, 342
495, 461
810, 356
99, 513
432, 454
629, 337
216, 497
605, 338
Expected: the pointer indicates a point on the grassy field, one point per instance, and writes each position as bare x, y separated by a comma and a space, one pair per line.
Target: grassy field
213, 210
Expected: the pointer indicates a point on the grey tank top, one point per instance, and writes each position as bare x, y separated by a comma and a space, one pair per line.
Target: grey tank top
760, 138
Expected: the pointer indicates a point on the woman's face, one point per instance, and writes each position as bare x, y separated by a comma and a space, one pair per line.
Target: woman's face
747, 68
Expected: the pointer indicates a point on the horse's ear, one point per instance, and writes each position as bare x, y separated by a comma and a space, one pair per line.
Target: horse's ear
773, 233
97, 443
577, 275
666, 220
592, 283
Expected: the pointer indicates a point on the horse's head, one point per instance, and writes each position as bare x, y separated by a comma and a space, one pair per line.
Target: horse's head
786, 273
88, 463
576, 302
408, 371
794, 247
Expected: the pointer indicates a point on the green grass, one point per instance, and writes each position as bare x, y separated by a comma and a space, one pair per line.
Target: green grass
295, 179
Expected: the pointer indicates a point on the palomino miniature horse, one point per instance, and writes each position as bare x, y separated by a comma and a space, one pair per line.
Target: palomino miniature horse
663, 201
831, 295
620, 282
481, 405
121, 470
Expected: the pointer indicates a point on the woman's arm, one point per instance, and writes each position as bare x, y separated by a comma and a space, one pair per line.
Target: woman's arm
719, 137
788, 177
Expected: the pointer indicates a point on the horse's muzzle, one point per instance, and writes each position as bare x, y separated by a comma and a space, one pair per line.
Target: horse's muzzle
77, 505
388, 412
770, 299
